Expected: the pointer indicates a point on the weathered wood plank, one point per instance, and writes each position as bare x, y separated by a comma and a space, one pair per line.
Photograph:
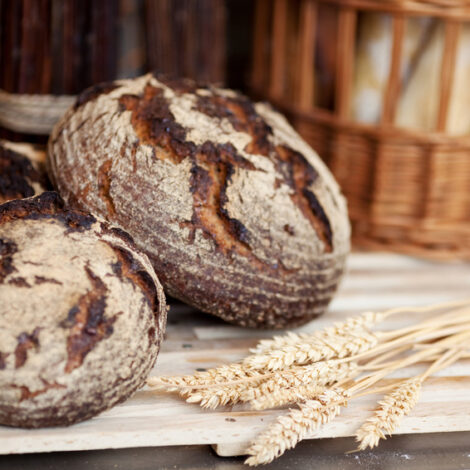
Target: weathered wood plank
195, 340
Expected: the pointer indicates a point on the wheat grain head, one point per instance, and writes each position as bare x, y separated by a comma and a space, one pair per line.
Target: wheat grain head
290, 429
389, 414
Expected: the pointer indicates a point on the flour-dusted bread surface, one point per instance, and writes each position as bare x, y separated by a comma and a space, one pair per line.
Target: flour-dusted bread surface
22, 171
82, 314
237, 213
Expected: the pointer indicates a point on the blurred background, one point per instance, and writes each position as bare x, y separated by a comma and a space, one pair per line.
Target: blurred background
64, 46
378, 88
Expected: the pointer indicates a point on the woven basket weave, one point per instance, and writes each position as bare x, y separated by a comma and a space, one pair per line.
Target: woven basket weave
408, 190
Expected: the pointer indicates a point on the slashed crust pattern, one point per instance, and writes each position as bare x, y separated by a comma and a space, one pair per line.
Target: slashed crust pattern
82, 314
238, 215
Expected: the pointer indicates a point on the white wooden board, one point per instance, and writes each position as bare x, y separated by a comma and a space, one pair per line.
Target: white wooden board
195, 340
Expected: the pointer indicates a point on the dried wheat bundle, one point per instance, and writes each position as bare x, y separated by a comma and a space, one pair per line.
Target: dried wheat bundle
246, 388
322, 371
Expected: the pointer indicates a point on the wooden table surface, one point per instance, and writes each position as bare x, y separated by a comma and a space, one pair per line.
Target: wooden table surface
198, 341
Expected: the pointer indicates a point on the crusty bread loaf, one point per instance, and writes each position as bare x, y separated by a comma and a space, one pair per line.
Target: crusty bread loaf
22, 171
237, 213
81, 314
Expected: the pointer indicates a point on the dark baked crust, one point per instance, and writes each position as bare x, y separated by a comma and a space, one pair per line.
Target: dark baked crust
238, 215
48, 205
88, 310
20, 174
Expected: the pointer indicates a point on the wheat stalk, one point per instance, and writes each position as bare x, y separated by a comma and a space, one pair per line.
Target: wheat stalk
322, 371
289, 429
363, 322
221, 374
392, 409
287, 396
252, 388
326, 348
316, 375
351, 325
403, 399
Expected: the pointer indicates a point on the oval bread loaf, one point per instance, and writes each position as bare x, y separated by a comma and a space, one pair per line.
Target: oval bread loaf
22, 171
81, 314
237, 213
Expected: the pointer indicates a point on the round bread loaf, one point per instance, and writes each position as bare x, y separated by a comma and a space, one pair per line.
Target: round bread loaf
22, 171
238, 215
82, 314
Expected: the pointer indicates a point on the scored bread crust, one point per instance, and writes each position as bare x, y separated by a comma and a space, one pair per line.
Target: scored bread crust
238, 215
82, 314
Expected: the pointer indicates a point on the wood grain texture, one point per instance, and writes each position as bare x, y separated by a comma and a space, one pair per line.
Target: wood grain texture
82, 314
237, 213
194, 340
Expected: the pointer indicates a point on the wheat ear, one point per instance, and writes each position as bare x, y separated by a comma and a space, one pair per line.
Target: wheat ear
355, 324
364, 322
287, 396
387, 417
402, 400
252, 388
289, 429
318, 375
221, 374
322, 349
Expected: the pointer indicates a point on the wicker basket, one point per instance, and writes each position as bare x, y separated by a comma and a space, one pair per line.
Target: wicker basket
408, 189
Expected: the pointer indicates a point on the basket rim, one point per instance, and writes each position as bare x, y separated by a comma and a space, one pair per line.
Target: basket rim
379, 132
451, 9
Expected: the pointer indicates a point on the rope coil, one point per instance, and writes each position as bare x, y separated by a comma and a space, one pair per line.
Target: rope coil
32, 114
